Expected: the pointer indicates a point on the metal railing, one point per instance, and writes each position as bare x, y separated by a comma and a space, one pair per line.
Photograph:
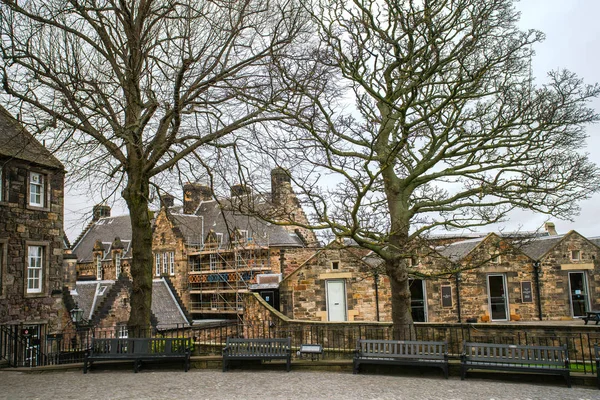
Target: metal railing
338, 340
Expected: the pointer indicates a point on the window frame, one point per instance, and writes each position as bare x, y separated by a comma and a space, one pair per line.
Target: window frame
172, 263
157, 264
118, 269
42, 189
576, 251
40, 268
335, 265
165, 263
98, 261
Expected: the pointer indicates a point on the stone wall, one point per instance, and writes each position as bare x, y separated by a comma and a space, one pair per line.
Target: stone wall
303, 292
166, 239
20, 226
555, 268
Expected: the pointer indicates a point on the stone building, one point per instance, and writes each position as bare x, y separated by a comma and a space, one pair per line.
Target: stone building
481, 278
31, 233
207, 251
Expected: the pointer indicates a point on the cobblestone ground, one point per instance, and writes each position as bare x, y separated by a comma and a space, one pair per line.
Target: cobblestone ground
240, 384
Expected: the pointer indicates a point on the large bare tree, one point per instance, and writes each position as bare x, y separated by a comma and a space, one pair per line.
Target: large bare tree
127, 88
420, 115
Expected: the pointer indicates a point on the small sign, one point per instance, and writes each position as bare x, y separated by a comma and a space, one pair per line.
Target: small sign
446, 296
54, 336
526, 293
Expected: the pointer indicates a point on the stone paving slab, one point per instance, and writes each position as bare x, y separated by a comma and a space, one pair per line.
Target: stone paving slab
269, 384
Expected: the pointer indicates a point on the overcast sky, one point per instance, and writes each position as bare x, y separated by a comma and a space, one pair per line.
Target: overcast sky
572, 41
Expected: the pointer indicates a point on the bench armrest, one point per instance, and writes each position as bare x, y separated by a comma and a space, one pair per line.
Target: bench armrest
226, 349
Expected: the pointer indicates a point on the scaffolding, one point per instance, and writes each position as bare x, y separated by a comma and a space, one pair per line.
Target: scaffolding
219, 275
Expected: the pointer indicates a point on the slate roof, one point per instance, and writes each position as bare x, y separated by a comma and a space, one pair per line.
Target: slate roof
105, 230
165, 307
90, 294
458, 250
223, 221
16, 142
595, 240
536, 248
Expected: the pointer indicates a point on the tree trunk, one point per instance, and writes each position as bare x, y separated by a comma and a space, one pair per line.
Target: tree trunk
136, 195
401, 312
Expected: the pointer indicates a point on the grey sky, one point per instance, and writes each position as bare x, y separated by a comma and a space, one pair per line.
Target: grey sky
572, 42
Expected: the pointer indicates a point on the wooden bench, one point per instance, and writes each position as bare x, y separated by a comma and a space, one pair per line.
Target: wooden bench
401, 352
597, 351
591, 316
257, 349
138, 350
553, 360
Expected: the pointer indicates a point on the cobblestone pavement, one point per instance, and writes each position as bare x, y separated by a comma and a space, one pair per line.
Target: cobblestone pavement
240, 384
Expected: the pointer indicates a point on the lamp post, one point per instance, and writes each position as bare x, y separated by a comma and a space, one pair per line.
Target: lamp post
81, 324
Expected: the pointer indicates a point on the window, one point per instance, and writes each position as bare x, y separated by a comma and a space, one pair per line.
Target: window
122, 332
495, 259
212, 261
34, 269
99, 267
172, 263
36, 189
118, 264
165, 264
575, 255
157, 264
335, 265
219, 239
243, 236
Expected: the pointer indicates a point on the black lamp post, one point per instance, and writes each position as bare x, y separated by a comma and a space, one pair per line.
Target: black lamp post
76, 315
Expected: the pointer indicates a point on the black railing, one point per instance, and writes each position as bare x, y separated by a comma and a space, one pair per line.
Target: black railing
338, 340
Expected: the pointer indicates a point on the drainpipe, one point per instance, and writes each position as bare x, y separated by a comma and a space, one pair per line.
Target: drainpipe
536, 271
376, 279
458, 279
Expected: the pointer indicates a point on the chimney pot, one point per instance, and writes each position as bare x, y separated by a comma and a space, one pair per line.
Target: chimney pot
550, 228
167, 200
100, 211
193, 195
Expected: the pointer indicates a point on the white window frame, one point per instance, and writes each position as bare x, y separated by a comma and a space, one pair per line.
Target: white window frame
578, 252
122, 332
172, 263
333, 265
212, 261
36, 189
99, 275
35, 268
495, 259
219, 239
244, 235
118, 264
157, 264
165, 264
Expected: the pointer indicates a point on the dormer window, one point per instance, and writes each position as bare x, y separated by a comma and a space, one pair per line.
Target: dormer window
243, 236
219, 239
99, 267
575, 255
118, 264
36, 189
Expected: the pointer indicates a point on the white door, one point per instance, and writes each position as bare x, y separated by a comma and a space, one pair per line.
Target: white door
336, 300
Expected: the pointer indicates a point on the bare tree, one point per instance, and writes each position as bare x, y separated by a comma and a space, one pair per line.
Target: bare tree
126, 89
420, 115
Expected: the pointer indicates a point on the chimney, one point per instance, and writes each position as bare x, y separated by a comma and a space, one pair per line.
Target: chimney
193, 195
100, 211
167, 200
550, 228
240, 190
70, 269
281, 185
